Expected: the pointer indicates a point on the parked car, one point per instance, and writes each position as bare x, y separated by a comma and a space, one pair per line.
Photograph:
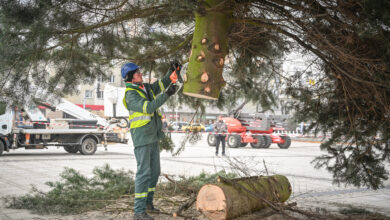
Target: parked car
194, 127
177, 125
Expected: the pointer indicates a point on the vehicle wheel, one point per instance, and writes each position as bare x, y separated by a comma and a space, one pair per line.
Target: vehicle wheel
211, 140
123, 123
243, 144
72, 149
268, 141
260, 142
234, 141
1, 147
88, 147
287, 142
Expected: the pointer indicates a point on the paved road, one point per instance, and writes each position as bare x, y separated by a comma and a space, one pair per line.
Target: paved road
311, 187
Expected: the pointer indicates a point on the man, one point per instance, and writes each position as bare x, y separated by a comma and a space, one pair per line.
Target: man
220, 128
142, 101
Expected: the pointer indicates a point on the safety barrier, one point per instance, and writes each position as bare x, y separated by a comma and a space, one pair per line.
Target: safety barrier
289, 133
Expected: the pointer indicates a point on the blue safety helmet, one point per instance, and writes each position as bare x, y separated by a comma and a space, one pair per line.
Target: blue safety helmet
128, 67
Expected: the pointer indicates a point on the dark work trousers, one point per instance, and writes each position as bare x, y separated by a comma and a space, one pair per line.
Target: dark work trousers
148, 171
220, 138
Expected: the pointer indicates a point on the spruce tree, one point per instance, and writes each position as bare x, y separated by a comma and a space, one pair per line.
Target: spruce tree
347, 41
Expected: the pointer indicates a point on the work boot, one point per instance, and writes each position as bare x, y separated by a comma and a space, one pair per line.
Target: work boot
216, 154
143, 216
150, 208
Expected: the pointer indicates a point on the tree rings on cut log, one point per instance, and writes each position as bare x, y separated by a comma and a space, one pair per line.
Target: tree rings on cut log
213, 203
207, 89
204, 41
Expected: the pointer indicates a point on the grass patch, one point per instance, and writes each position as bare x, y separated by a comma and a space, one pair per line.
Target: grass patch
75, 193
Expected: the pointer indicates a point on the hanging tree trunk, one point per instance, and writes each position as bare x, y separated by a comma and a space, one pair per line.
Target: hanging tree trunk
226, 200
203, 78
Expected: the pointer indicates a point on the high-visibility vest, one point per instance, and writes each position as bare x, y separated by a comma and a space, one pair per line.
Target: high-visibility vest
139, 119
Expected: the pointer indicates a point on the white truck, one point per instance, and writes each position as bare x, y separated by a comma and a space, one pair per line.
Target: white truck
113, 104
29, 129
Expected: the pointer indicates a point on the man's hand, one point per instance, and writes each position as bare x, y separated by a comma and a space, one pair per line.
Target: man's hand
175, 69
171, 90
173, 77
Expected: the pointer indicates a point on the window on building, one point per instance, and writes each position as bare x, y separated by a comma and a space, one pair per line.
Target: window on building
88, 94
99, 94
112, 78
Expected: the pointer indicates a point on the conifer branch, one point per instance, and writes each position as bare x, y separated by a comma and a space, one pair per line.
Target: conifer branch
140, 13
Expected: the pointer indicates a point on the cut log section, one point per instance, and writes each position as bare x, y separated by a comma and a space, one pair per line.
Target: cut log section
226, 201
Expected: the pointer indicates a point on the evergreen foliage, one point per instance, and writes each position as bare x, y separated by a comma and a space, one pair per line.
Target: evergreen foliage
194, 183
347, 42
76, 193
166, 143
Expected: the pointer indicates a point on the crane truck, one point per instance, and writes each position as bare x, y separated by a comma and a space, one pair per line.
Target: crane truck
252, 128
28, 128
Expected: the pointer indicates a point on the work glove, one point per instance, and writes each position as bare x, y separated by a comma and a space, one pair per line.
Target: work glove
173, 77
171, 90
175, 70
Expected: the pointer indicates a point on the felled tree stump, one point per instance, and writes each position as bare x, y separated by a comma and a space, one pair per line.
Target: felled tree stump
226, 200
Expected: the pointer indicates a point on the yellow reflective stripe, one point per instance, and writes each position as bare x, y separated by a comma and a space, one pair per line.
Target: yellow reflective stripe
144, 107
139, 92
154, 97
152, 189
141, 195
148, 118
162, 88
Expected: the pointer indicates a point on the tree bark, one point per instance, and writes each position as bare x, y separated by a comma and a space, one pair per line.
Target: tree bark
203, 78
226, 201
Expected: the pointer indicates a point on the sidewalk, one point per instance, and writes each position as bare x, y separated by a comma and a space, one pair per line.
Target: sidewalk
371, 200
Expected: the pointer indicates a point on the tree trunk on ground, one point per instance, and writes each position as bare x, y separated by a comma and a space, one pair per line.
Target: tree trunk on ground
226, 201
209, 48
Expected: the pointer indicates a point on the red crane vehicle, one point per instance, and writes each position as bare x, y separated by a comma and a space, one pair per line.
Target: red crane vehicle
253, 128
